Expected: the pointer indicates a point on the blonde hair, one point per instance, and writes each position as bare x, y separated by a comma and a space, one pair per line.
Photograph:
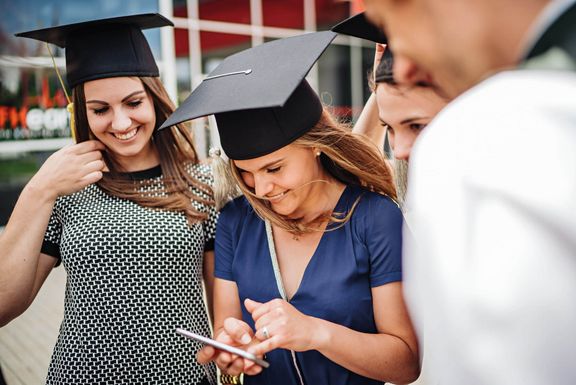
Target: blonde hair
176, 151
350, 158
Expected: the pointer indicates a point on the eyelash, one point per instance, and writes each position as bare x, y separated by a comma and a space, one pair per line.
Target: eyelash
417, 126
273, 170
131, 104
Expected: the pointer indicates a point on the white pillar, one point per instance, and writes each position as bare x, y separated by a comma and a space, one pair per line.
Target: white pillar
168, 51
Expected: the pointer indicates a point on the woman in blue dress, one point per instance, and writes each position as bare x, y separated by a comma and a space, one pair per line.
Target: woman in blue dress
308, 261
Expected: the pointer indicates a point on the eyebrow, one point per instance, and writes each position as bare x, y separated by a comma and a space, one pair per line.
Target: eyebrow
267, 165
123, 100
410, 120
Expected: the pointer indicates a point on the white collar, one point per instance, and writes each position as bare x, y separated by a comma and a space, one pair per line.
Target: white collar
546, 18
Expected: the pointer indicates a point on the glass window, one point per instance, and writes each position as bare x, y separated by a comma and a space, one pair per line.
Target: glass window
179, 8
217, 46
334, 80
233, 11
330, 12
284, 13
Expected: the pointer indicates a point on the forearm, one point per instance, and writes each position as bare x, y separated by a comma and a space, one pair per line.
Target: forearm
379, 356
368, 123
20, 245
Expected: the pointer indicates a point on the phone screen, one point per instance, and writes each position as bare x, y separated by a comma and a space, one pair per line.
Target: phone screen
223, 346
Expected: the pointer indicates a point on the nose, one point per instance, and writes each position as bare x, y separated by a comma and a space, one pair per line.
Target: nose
121, 121
402, 147
407, 72
262, 185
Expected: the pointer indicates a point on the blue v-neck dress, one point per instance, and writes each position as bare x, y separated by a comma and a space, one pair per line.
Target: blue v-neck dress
336, 286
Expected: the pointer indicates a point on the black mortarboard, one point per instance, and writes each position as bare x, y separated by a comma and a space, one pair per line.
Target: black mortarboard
359, 26
104, 48
259, 97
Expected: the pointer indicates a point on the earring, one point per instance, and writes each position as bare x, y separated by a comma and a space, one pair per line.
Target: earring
318, 153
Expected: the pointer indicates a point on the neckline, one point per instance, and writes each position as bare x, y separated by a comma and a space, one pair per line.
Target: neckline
274, 258
148, 173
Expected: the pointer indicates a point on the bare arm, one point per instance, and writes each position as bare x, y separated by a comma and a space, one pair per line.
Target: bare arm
368, 123
390, 355
22, 268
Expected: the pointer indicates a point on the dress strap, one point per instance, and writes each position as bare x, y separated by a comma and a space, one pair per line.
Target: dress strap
274, 258
280, 285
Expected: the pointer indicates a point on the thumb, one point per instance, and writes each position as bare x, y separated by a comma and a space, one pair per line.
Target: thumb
251, 305
238, 330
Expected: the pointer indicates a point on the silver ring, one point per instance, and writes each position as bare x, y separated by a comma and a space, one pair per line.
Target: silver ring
265, 332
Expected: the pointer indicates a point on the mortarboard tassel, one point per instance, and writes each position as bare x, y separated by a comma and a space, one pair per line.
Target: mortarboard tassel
70, 106
225, 187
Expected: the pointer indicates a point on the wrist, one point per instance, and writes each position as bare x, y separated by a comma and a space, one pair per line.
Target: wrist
226, 379
41, 193
322, 334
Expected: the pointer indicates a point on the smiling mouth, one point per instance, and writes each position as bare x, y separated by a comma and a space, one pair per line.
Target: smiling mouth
277, 196
127, 135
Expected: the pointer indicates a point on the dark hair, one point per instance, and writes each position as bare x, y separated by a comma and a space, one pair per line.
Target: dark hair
384, 72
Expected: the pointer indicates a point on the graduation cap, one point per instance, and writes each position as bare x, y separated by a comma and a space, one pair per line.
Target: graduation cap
259, 97
359, 26
104, 48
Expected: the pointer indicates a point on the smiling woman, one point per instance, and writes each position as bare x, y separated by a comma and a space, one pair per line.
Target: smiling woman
308, 265
128, 211
121, 116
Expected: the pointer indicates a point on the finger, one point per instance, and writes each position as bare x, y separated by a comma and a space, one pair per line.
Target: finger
379, 52
251, 305
87, 146
236, 367
240, 331
274, 342
254, 370
265, 308
267, 320
251, 368
90, 178
89, 157
223, 359
95, 165
206, 354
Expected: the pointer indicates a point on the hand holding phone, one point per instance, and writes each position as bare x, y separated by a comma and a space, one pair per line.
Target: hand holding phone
222, 346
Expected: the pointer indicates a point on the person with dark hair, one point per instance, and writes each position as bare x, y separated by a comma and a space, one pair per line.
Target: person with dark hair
129, 213
492, 269
308, 269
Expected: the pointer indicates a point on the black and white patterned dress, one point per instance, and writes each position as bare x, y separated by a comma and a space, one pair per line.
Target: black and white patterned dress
134, 275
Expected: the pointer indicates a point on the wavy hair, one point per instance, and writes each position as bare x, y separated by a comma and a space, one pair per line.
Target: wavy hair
175, 146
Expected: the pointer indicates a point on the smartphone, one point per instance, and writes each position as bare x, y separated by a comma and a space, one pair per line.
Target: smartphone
223, 346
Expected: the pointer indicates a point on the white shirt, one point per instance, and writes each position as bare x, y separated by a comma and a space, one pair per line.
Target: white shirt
491, 276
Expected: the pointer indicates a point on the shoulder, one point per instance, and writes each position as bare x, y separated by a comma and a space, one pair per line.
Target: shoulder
543, 89
374, 209
371, 202
200, 171
237, 208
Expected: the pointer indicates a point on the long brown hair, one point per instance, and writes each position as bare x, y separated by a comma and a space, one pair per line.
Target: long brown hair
347, 157
176, 151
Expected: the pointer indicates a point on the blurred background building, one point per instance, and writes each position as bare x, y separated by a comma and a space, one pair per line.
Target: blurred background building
33, 117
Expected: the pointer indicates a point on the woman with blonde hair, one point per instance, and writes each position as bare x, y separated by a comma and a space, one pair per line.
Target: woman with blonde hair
308, 265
